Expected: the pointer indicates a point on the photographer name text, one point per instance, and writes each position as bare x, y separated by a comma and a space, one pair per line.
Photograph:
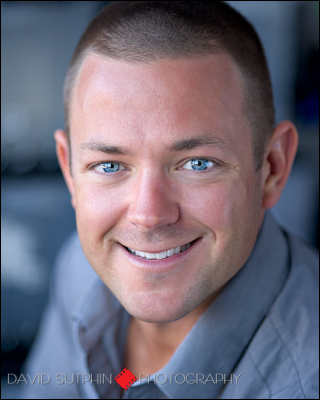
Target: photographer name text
101, 379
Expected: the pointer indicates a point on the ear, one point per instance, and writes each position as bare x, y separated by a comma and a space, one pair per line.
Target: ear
279, 157
62, 149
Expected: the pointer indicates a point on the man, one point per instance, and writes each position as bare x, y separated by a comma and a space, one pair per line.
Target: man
177, 272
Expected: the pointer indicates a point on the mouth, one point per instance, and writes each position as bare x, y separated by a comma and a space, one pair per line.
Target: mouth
161, 255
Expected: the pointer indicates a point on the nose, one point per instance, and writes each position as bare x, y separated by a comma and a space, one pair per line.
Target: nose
152, 202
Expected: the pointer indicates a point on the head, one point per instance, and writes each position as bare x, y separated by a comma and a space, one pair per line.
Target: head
170, 141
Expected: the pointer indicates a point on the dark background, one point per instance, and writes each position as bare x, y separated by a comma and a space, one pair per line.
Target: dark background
37, 42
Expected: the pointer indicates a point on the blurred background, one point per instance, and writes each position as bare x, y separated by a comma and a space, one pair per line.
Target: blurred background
37, 42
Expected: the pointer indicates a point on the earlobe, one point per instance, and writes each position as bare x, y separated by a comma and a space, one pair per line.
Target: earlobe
279, 157
62, 150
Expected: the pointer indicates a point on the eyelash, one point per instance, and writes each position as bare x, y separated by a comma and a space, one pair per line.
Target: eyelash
215, 164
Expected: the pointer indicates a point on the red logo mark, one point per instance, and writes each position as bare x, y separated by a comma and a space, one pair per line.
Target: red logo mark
125, 379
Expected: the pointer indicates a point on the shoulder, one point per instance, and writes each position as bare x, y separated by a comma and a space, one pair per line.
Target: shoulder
287, 354
294, 317
282, 359
295, 313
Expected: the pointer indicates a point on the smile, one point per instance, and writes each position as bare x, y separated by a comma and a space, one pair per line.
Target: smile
162, 254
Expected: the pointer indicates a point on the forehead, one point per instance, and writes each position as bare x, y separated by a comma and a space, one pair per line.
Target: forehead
169, 95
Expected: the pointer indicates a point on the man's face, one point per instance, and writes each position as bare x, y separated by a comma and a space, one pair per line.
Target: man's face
162, 157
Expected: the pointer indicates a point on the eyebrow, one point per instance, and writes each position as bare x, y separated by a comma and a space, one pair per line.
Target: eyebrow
192, 143
103, 148
179, 145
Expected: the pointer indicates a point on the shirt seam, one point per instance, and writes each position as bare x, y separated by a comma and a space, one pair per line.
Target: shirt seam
281, 390
290, 355
260, 374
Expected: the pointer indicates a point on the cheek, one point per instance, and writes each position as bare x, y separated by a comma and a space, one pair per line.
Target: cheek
98, 209
218, 206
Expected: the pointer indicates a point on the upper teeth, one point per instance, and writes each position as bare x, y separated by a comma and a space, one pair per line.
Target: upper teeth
163, 254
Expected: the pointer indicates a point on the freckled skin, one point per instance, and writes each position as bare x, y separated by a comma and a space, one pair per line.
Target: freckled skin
153, 203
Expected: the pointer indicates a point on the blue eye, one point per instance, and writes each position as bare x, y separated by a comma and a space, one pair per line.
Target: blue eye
109, 167
198, 164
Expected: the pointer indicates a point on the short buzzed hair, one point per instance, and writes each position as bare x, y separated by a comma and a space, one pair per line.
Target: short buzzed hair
146, 31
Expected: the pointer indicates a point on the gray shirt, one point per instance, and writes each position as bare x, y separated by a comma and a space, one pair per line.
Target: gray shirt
258, 339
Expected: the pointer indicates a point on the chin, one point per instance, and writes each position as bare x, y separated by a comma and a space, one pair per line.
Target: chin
155, 318
154, 310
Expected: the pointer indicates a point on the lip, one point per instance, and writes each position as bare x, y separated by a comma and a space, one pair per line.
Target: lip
166, 264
